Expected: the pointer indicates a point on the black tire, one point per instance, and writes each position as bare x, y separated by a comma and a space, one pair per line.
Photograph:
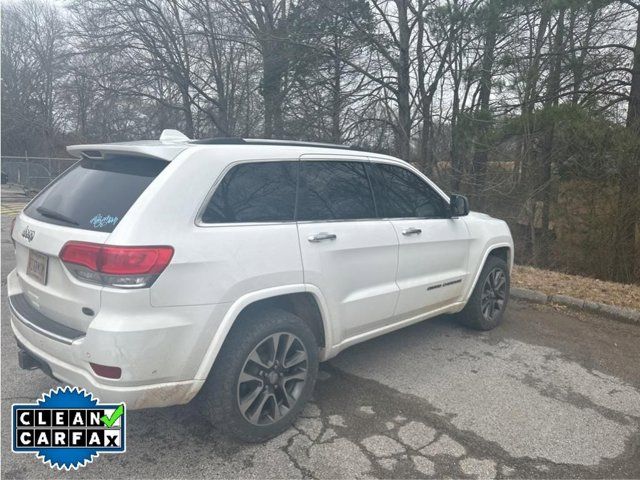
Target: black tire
473, 315
222, 394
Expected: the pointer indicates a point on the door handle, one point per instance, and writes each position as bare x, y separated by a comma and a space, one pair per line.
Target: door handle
411, 231
319, 237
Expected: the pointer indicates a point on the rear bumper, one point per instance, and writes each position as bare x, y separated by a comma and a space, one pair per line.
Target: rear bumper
159, 350
142, 396
25, 313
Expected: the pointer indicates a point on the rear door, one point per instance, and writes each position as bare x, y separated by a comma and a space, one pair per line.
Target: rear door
346, 251
433, 248
85, 204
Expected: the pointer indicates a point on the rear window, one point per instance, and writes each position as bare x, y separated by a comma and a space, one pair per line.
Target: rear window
95, 194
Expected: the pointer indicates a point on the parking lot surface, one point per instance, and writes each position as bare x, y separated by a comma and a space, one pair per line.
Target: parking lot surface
551, 393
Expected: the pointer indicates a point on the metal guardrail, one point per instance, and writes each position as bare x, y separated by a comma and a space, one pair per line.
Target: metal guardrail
34, 173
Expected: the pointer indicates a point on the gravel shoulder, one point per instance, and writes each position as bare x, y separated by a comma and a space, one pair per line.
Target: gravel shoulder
584, 288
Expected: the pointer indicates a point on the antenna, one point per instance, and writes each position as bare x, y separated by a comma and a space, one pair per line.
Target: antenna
173, 136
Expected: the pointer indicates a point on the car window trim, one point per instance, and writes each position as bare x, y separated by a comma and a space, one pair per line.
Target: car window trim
415, 171
198, 222
344, 159
421, 177
368, 161
367, 169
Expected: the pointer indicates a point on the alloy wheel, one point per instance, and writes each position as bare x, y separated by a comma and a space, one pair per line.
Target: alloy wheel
494, 294
272, 378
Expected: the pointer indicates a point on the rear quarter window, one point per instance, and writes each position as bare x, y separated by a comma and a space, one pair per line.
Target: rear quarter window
254, 192
95, 194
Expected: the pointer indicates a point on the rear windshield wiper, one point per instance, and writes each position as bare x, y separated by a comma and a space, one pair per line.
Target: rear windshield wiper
55, 215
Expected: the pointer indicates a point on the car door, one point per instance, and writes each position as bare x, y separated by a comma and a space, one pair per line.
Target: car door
348, 253
433, 248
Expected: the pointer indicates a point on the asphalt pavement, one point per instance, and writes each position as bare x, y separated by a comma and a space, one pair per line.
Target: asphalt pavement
549, 394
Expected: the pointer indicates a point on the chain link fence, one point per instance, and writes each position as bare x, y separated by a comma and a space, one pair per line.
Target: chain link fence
33, 173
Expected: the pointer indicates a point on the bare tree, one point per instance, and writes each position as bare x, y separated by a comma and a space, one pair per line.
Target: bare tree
514, 101
33, 53
627, 255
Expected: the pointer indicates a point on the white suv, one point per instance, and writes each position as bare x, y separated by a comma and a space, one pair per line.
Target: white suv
152, 270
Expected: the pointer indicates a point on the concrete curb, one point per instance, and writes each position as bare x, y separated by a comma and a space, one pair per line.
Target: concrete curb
627, 315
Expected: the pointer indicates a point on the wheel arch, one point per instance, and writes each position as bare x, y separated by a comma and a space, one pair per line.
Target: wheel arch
501, 250
304, 301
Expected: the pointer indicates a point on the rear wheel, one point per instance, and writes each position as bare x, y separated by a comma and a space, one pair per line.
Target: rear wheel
263, 376
486, 306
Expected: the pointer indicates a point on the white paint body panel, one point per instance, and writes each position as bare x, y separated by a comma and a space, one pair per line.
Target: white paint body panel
438, 255
370, 280
63, 297
355, 272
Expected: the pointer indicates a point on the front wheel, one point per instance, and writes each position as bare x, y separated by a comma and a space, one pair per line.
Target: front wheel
263, 376
488, 302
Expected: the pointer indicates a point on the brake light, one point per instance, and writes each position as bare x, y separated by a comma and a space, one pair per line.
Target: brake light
85, 254
116, 266
138, 260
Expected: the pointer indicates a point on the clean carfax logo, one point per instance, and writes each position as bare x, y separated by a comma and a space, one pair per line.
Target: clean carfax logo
67, 428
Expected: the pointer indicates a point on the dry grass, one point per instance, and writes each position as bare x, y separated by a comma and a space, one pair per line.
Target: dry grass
585, 288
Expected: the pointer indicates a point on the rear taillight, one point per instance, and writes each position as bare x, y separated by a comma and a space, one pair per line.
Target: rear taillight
110, 265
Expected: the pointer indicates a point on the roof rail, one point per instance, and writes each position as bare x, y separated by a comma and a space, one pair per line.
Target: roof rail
267, 141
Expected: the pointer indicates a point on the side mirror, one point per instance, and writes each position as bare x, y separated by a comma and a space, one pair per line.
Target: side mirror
459, 205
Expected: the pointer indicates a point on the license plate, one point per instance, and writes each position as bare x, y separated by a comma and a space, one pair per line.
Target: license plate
37, 266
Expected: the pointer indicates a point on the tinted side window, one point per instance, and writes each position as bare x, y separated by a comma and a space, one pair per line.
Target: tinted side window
334, 191
402, 194
254, 192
